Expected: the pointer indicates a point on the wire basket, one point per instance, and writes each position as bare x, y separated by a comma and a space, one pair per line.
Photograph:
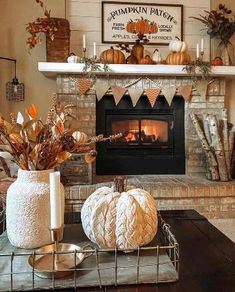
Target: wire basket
91, 266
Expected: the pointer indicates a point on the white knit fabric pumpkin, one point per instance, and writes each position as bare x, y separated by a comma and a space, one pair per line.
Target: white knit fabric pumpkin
123, 220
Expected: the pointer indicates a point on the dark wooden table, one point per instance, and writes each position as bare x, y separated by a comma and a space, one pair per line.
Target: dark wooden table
207, 257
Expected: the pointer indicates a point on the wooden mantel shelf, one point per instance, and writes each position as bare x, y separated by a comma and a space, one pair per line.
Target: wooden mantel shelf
52, 69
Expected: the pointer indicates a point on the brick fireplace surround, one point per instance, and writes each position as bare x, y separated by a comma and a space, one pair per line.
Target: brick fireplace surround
215, 200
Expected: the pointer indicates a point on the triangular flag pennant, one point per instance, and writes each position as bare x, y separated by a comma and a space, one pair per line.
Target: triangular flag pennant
101, 89
152, 95
118, 93
185, 91
202, 88
135, 94
169, 93
84, 85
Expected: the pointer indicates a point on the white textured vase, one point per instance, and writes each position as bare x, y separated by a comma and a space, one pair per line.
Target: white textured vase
28, 209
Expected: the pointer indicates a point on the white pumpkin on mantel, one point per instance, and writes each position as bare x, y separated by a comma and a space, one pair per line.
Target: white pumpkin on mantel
156, 57
118, 219
178, 46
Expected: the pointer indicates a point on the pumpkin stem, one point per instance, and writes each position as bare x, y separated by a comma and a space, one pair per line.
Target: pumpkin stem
119, 184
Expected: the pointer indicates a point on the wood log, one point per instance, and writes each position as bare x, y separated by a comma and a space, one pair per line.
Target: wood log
231, 139
205, 120
213, 172
225, 135
217, 144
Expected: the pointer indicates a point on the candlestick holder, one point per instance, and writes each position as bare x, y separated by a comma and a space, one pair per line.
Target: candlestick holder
57, 234
201, 55
83, 59
56, 237
94, 58
198, 61
57, 260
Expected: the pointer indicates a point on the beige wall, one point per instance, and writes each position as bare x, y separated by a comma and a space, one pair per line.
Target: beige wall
14, 16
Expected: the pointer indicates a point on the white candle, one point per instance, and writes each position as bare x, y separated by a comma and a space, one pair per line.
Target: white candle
94, 45
84, 41
197, 51
202, 45
55, 200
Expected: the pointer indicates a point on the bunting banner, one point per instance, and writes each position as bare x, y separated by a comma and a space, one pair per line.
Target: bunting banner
169, 93
101, 89
84, 85
186, 91
118, 93
152, 95
135, 94
202, 88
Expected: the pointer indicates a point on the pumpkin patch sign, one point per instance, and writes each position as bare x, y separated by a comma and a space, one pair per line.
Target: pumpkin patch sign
123, 22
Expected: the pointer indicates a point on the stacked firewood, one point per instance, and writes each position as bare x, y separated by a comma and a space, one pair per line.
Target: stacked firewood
217, 140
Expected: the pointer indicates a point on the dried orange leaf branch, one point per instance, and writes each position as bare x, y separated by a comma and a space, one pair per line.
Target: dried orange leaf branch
35, 145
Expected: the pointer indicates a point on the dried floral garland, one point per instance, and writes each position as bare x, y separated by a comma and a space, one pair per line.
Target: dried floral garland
93, 65
198, 69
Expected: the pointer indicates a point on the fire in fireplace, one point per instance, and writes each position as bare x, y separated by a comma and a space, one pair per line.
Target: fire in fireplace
141, 131
153, 138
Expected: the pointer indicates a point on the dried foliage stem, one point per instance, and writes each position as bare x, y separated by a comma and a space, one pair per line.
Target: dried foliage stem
38, 146
219, 23
44, 25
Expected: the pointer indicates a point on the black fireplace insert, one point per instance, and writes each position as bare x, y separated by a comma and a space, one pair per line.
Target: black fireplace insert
153, 138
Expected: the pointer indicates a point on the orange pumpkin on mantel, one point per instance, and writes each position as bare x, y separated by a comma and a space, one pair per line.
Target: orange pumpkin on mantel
217, 61
112, 56
146, 60
179, 58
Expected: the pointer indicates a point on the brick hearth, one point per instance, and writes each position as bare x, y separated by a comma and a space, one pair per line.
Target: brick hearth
212, 199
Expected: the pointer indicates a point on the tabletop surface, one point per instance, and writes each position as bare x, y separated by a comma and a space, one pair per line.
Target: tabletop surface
207, 257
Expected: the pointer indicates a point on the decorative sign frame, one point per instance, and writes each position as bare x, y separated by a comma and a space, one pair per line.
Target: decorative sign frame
116, 15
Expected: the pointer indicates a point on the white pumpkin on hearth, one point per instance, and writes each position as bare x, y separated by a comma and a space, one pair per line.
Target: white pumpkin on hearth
123, 220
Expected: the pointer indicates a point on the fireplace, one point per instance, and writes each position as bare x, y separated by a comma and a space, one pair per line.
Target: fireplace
153, 138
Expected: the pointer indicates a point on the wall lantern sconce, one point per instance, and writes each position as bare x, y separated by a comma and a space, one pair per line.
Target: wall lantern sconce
14, 89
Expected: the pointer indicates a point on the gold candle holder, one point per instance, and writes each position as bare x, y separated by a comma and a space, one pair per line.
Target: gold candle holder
83, 55
201, 55
56, 260
56, 237
57, 234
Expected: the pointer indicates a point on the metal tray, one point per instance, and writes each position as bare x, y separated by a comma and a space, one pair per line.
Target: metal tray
23, 270
48, 263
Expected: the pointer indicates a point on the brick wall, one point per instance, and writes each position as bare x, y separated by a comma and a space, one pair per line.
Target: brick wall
86, 108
